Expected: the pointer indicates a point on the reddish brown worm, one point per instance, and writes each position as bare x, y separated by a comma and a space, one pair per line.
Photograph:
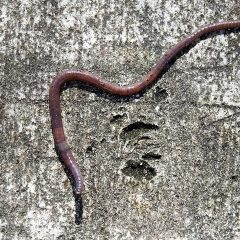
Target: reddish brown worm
61, 145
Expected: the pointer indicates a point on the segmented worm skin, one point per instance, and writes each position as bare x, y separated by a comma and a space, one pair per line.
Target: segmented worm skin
61, 145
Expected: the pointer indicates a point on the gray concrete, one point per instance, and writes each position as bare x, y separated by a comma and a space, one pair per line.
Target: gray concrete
179, 180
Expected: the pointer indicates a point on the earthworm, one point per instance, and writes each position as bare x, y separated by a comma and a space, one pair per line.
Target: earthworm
61, 145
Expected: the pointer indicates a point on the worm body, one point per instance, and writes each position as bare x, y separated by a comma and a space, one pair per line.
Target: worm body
54, 93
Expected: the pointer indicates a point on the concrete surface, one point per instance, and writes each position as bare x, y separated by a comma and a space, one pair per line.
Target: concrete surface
163, 165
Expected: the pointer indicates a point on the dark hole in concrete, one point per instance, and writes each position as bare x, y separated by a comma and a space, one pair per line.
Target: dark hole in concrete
161, 94
140, 125
139, 170
135, 129
89, 149
117, 117
234, 177
151, 155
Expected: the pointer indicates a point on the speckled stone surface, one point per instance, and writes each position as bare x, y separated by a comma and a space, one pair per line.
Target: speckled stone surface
162, 165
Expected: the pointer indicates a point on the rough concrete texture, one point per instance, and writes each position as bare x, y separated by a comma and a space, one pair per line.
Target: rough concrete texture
161, 165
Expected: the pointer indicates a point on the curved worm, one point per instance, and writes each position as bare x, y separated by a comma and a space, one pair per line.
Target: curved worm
61, 145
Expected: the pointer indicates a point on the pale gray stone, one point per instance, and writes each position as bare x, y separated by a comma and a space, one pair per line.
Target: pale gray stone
161, 165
